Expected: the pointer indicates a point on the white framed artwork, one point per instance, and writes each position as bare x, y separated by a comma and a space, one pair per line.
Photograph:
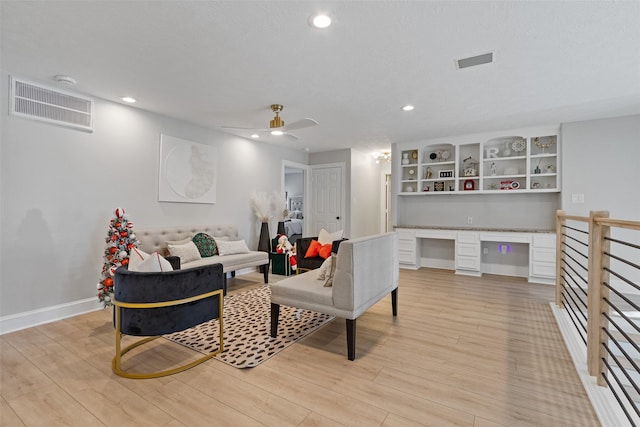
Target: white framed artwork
187, 171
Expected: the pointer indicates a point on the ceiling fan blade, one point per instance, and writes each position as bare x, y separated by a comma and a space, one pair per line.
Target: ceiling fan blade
245, 128
301, 124
290, 136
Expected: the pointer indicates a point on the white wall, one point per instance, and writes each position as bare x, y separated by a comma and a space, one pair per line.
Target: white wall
601, 160
60, 186
365, 194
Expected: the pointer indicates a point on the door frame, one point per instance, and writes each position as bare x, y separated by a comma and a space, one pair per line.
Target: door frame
346, 225
306, 212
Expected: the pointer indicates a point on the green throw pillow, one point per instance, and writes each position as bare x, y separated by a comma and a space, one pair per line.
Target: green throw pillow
206, 244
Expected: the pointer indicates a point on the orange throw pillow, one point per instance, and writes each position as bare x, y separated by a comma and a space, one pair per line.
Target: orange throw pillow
325, 251
313, 250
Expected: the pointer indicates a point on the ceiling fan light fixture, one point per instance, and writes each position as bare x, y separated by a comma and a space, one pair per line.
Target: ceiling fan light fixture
320, 20
277, 132
408, 108
277, 122
128, 99
255, 136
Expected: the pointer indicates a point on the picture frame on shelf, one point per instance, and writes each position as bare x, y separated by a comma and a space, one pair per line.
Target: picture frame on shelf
445, 174
438, 186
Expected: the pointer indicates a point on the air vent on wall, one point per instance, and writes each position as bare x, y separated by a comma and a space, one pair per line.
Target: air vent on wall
472, 61
36, 101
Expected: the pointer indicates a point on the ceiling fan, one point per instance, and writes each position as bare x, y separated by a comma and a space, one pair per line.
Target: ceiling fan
277, 126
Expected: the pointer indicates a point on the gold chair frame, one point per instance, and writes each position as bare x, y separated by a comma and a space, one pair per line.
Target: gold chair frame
116, 365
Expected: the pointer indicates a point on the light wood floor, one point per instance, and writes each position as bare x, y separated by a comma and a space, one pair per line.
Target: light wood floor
463, 351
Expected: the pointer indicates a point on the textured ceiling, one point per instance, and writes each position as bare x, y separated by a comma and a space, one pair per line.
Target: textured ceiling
223, 63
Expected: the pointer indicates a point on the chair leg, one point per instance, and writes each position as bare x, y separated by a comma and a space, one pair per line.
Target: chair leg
275, 314
266, 273
351, 339
394, 301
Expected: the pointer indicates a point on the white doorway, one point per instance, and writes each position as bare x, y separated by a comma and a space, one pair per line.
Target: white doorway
327, 203
295, 188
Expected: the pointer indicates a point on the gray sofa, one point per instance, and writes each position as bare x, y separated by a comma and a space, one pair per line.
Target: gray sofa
367, 270
154, 240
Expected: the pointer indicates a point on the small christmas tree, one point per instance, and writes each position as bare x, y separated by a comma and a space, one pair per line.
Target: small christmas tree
119, 242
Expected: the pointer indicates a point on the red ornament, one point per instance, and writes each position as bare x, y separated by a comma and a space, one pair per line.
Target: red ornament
130, 246
119, 212
114, 237
117, 224
112, 250
108, 282
124, 234
125, 261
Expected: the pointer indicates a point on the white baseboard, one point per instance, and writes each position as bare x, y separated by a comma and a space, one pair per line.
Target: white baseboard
602, 399
28, 319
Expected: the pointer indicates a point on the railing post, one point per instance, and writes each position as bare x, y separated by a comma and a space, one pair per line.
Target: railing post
595, 294
561, 221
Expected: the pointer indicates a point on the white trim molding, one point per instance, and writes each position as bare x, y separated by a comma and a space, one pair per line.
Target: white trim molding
28, 319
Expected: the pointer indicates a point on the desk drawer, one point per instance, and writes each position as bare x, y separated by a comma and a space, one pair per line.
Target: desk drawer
468, 250
544, 241
541, 269
467, 263
543, 255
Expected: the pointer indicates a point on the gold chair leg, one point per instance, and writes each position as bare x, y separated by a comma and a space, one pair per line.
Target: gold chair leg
116, 363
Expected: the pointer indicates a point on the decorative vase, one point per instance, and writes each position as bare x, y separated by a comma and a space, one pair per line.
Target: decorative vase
263, 241
507, 150
281, 227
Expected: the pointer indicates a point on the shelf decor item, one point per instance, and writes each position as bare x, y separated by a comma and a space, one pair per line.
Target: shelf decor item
518, 146
469, 185
543, 146
405, 158
470, 167
445, 174
438, 186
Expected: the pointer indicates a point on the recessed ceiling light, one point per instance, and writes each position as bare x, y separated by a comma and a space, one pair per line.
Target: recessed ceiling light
320, 21
255, 136
277, 132
407, 107
128, 99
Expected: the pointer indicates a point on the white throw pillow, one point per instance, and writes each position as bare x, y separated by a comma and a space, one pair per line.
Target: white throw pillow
324, 269
187, 252
153, 263
230, 247
325, 237
136, 256
328, 282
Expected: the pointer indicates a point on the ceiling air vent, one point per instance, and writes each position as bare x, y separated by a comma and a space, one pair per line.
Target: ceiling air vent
38, 102
472, 61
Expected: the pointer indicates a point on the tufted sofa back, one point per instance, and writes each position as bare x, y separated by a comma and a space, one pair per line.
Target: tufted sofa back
154, 239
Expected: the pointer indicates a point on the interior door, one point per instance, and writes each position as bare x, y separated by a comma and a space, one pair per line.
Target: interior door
326, 199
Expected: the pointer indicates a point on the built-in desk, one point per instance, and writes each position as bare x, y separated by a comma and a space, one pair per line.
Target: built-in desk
467, 241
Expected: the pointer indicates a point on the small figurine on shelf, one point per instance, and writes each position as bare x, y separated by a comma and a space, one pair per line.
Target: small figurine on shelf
428, 173
494, 172
405, 158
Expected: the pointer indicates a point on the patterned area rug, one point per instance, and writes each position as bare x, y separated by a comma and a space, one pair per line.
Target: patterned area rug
247, 326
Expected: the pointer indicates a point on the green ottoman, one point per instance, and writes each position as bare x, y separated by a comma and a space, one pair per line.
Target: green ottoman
280, 264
